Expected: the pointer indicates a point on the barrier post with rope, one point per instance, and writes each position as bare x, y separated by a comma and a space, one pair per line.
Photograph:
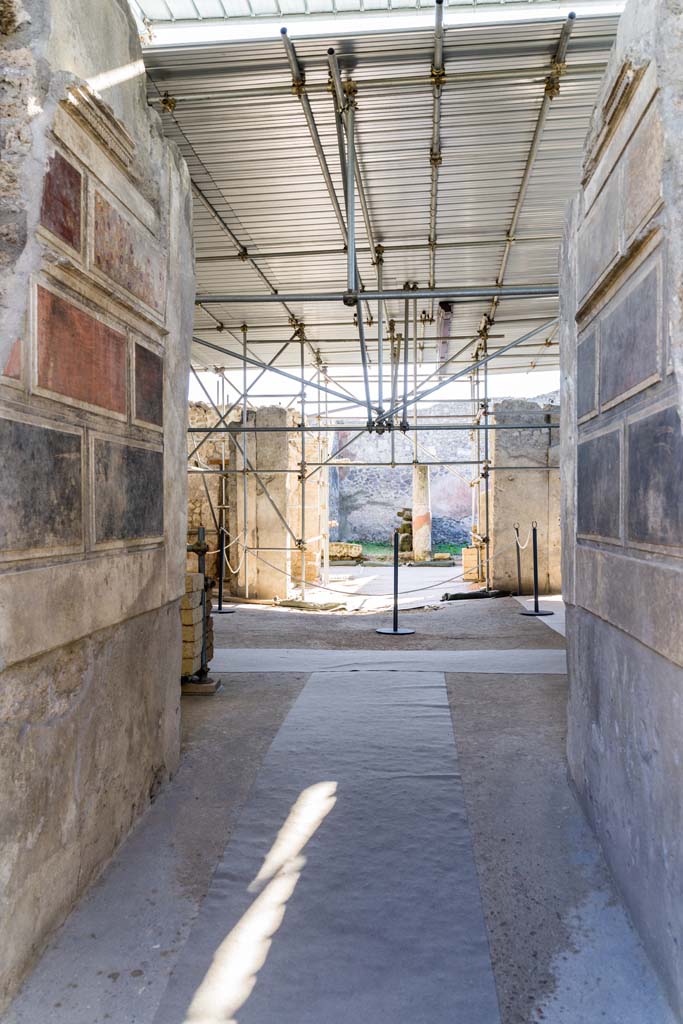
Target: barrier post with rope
395, 630
534, 540
519, 560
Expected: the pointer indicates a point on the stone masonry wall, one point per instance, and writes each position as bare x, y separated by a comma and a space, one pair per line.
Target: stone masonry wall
95, 327
525, 495
622, 459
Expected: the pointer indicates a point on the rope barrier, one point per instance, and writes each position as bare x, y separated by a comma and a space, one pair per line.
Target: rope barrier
345, 593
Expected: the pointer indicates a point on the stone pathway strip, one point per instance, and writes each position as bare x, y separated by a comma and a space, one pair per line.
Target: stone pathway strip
520, 661
348, 891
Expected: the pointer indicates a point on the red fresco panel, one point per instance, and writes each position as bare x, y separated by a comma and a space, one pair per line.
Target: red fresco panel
78, 356
60, 211
13, 365
149, 386
129, 255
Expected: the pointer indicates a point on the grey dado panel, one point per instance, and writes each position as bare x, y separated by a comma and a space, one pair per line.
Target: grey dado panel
40, 488
655, 479
586, 398
128, 492
629, 334
598, 476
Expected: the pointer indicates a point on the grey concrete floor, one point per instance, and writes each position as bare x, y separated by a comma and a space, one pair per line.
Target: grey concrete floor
562, 948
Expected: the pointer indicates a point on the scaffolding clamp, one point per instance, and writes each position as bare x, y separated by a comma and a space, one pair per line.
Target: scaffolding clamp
435, 157
299, 85
552, 82
168, 102
350, 91
438, 76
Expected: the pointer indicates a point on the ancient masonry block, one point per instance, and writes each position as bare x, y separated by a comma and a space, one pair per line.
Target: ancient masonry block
194, 621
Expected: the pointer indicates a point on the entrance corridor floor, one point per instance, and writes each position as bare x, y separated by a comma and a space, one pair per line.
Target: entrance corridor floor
362, 829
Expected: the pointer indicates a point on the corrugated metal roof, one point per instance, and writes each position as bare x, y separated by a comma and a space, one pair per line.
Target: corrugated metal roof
248, 148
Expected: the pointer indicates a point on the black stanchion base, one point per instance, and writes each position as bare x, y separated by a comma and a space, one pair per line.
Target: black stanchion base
223, 611
532, 612
387, 631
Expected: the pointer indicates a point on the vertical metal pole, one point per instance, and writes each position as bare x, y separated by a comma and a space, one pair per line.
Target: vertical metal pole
519, 561
221, 513
380, 330
302, 477
487, 479
201, 566
395, 581
395, 631
406, 336
534, 541
350, 197
245, 478
415, 439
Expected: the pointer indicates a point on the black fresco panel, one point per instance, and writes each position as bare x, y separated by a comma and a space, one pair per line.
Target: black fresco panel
598, 476
40, 487
655, 479
129, 492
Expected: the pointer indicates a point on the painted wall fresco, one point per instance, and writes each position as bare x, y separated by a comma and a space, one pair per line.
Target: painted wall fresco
129, 491
40, 487
128, 254
78, 356
60, 211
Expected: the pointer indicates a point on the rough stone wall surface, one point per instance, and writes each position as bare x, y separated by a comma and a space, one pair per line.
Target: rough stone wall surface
622, 487
96, 302
524, 496
271, 573
364, 500
207, 492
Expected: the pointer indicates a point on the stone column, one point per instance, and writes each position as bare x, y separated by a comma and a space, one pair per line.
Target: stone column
422, 515
622, 473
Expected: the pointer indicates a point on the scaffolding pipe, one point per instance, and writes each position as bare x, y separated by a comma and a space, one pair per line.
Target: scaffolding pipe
437, 77
380, 331
350, 115
350, 298
551, 90
245, 496
223, 417
463, 243
237, 428
302, 479
364, 361
406, 336
274, 369
350, 463
469, 369
396, 82
298, 88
